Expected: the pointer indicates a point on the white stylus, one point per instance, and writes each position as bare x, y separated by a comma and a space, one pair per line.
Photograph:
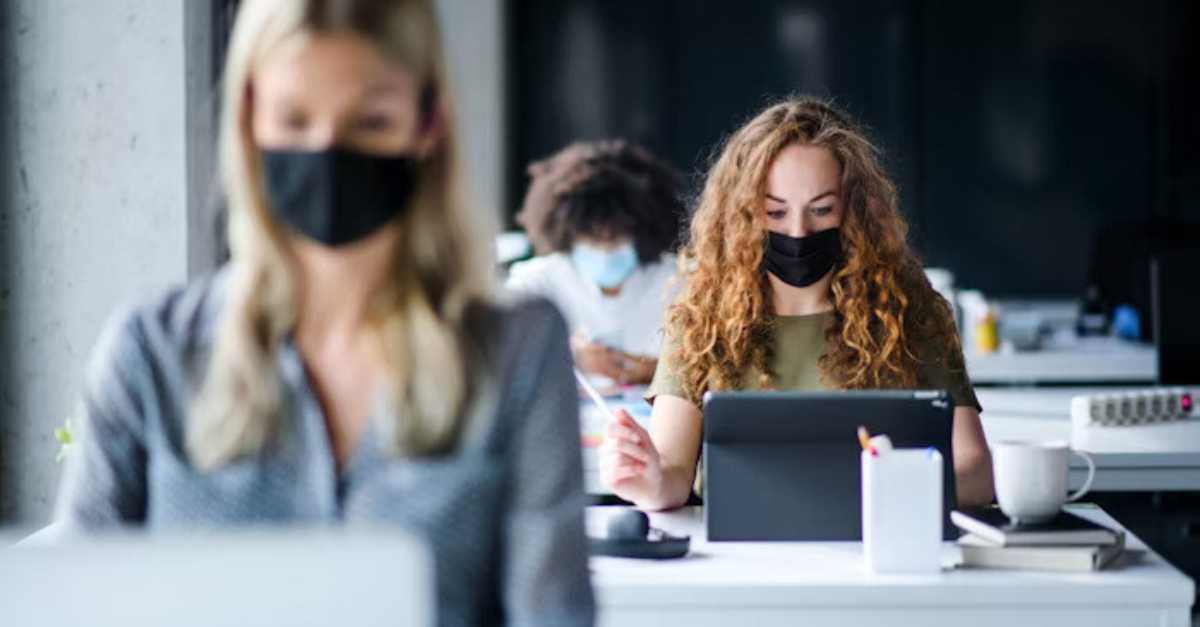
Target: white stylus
596, 398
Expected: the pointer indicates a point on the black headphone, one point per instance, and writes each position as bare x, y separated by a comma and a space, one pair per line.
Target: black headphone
630, 535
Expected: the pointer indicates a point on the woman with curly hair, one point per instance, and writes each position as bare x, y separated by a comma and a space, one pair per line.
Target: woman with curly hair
613, 223
798, 276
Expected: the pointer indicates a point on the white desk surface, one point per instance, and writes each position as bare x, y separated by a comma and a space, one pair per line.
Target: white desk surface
1086, 360
824, 583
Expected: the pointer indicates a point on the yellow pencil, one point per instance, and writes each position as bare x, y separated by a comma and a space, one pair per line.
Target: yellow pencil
864, 438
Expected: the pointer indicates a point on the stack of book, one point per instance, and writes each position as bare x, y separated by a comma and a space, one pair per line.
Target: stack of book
1066, 543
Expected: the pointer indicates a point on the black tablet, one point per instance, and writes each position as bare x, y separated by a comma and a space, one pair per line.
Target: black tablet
784, 466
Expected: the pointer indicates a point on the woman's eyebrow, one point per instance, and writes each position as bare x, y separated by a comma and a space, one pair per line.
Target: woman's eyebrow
384, 84
775, 198
383, 88
832, 192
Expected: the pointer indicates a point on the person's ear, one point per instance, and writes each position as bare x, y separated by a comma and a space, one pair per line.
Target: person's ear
431, 128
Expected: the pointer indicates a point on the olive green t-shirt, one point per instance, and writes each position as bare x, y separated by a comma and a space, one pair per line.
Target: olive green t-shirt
799, 343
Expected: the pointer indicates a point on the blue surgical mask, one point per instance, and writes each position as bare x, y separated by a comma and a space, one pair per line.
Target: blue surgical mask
605, 268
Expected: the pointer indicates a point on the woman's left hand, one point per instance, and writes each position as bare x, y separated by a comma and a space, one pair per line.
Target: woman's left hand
636, 370
595, 358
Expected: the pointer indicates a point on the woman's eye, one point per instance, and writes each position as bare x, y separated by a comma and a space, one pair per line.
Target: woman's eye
776, 214
373, 123
295, 121
822, 211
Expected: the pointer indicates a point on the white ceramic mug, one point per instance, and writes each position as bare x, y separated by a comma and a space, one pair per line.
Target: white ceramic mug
1031, 478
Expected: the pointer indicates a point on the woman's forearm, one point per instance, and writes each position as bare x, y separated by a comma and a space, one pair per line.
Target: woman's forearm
673, 491
972, 459
973, 476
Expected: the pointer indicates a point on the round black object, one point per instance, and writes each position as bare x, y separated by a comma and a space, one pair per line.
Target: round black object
630, 535
669, 547
629, 525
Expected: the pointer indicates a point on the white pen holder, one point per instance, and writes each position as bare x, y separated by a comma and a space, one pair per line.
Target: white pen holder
902, 510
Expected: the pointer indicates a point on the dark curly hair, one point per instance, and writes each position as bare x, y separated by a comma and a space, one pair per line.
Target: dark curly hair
623, 191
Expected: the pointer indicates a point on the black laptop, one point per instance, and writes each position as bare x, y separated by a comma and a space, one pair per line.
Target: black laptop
785, 466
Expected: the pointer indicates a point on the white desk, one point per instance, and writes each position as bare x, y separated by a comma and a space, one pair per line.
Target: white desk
817, 584
1087, 360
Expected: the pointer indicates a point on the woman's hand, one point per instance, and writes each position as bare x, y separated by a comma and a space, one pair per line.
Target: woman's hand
629, 462
636, 370
596, 358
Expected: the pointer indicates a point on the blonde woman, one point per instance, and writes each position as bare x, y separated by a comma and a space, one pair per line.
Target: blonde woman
798, 276
349, 363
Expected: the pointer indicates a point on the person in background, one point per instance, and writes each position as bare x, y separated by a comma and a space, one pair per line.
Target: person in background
798, 276
350, 363
611, 230
548, 178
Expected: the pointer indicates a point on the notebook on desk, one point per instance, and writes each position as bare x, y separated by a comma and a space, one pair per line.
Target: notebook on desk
980, 553
991, 525
1067, 543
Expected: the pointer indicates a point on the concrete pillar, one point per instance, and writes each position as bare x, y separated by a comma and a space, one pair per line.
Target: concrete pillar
92, 205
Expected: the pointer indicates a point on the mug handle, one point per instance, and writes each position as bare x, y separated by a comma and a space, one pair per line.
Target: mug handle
1087, 484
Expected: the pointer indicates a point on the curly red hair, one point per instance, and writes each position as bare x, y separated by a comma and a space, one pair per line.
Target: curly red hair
885, 311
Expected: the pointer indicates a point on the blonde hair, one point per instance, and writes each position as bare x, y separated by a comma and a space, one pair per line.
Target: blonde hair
442, 267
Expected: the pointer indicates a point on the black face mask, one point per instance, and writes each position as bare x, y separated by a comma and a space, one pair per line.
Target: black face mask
802, 261
338, 196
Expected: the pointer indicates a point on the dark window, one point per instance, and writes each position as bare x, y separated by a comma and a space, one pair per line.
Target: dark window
1016, 130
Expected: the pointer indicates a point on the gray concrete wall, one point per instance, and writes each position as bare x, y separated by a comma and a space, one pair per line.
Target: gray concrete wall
92, 205
474, 33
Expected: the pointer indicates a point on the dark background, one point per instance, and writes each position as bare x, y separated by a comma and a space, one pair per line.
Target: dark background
1015, 130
